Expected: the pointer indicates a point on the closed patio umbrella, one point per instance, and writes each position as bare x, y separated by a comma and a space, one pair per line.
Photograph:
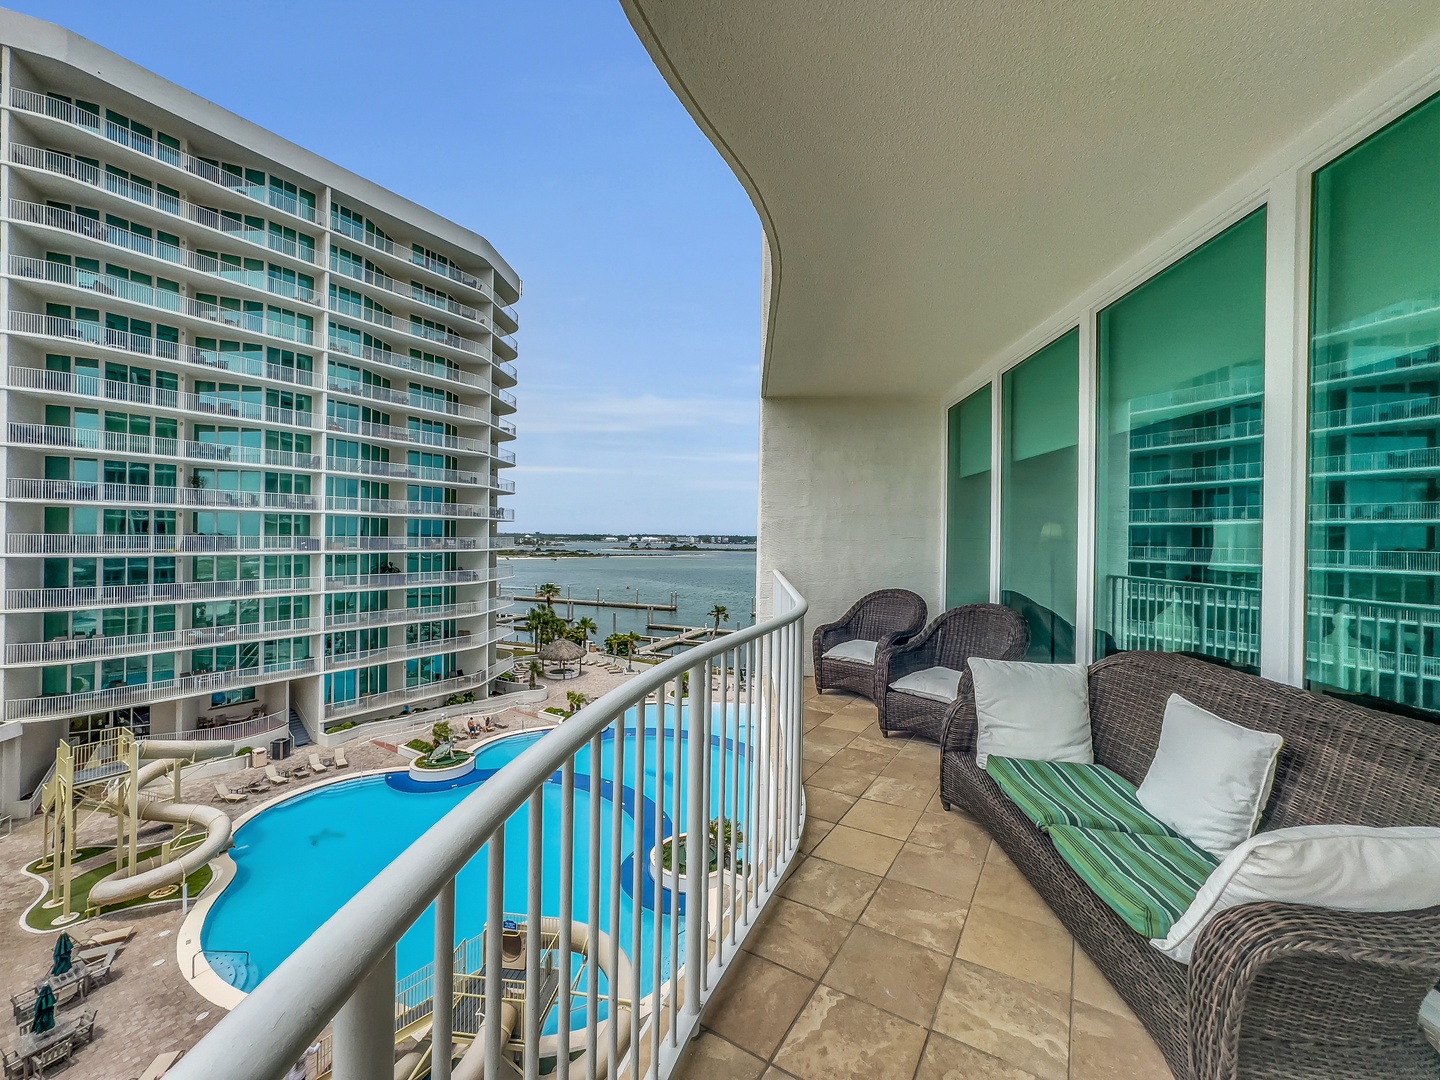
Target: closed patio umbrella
44, 1009
63, 947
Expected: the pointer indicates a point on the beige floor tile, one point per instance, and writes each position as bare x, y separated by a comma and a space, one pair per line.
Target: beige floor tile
839, 1037
835, 778
756, 1004
838, 890
872, 742
894, 975
1032, 951
830, 702
908, 768
845, 721
713, 1058
1004, 887
835, 738
937, 806
1018, 1022
951, 875
952, 833
919, 915
904, 793
809, 768
772, 1073
819, 752
997, 855
803, 939
860, 850
1092, 988
860, 761
917, 748
946, 1059
877, 817
821, 802
1105, 1047
815, 831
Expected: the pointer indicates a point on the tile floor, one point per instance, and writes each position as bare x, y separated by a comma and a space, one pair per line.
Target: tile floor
905, 946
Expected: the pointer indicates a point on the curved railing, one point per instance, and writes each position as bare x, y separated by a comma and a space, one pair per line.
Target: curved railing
741, 695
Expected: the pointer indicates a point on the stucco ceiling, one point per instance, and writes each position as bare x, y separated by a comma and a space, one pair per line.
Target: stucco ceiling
937, 178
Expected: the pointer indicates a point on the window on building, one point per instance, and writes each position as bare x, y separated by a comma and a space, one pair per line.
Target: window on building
967, 532
1179, 455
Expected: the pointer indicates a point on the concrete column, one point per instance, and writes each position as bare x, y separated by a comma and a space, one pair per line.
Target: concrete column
365, 1027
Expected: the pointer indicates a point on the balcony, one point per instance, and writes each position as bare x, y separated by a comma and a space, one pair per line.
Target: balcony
152, 543
81, 491
405, 362
406, 400
411, 695
400, 471
87, 335
458, 644
112, 236
118, 442
352, 620
405, 435
65, 113
400, 579
380, 280
375, 317
43, 599
148, 693
413, 508
99, 646
260, 323
63, 165
407, 543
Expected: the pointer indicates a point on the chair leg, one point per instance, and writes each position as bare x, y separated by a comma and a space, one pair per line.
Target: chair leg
944, 806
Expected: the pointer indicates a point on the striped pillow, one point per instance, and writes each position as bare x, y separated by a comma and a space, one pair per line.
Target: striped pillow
1071, 793
1149, 881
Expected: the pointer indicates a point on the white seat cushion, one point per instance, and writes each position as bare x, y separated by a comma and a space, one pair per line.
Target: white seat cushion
935, 683
1210, 779
1342, 867
856, 651
1035, 712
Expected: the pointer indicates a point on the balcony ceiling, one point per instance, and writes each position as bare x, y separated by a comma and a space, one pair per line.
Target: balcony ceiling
938, 178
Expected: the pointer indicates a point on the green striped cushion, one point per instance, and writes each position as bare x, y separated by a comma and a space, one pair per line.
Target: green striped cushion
1149, 881
1069, 793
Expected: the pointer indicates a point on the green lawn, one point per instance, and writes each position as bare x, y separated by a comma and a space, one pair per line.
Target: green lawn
40, 917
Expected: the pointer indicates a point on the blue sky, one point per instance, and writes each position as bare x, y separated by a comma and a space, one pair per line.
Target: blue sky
544, 126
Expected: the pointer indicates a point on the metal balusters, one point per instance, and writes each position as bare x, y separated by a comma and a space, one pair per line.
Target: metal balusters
442, 1009
617, 837
534, 930
677, 816
494, 955
567, 914
592, 967
637, 893
657, 944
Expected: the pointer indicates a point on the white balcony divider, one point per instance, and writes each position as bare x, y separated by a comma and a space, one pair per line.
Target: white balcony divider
732, 743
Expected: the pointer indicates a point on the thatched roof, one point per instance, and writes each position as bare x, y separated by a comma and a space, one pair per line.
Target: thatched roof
561, 651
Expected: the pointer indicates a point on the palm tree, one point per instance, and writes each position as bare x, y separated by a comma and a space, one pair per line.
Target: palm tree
549, 592
719, 613
576, 701
586, 626
534, 670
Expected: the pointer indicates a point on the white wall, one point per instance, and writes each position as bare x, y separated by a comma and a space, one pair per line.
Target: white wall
849, 500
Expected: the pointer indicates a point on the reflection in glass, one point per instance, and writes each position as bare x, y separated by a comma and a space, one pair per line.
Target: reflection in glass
967, 535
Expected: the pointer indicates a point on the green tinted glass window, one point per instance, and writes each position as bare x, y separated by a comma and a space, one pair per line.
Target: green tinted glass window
1039, 485
1373, 581
967, 535
1179, 455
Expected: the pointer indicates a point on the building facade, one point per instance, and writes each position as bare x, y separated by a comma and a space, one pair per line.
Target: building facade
256, 416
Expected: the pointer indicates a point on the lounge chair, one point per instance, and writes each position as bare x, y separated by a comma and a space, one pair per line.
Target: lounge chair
160, 1066
226, 795
340, 761
316, 765
275, 776
118, 936
98, 961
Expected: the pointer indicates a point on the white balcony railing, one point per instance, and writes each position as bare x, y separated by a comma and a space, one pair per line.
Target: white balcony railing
399, 470
87, 596
406, 400
145, 693
733, 746
407, 543
94, 646
351, 620
120, 442
1172, 616
376, 317
58, 164
405, 434
157, 543
82, 491
78, 334
380, 280
58, 109
54, 217
405, 362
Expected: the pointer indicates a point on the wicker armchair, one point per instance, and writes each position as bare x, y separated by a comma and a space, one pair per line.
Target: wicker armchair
884, 617
1275, 991
985, 630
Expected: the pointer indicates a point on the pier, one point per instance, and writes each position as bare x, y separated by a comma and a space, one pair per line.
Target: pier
687, 636
628, 605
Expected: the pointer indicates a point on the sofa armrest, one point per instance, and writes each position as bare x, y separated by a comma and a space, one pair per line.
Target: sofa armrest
1313, 987
958, 731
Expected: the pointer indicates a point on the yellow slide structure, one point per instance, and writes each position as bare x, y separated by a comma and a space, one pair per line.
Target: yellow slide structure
164, 757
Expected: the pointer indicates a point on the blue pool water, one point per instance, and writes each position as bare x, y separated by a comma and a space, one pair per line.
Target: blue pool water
298, 862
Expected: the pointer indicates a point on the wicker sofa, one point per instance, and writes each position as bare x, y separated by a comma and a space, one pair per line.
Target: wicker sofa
884, 617
989, 631
1274, 990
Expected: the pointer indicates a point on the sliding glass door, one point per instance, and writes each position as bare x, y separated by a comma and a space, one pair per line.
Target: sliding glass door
1373, 604
1039, 483
1180, 424
967, 534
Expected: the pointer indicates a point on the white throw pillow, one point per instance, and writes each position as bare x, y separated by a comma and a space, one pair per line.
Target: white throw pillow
1343, 867
1036, 712
856, 650
1210, 779
935, 683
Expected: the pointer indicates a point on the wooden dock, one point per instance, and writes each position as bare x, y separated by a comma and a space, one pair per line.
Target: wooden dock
562, 601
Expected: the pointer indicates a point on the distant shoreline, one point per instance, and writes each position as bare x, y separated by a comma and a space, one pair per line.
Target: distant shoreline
530, 555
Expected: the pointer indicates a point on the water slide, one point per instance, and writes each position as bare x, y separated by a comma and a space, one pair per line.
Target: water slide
472, 1065
165, 756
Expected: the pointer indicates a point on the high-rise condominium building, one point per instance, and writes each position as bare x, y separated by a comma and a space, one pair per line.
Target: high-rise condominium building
255, 422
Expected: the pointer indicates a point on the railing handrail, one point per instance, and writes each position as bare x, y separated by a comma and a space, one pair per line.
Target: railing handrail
271, 1028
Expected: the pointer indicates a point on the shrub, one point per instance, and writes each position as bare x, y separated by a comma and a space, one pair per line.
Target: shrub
244, 750
421, 745
440, 732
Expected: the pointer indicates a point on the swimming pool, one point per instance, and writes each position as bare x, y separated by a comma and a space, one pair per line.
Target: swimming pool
298, 862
